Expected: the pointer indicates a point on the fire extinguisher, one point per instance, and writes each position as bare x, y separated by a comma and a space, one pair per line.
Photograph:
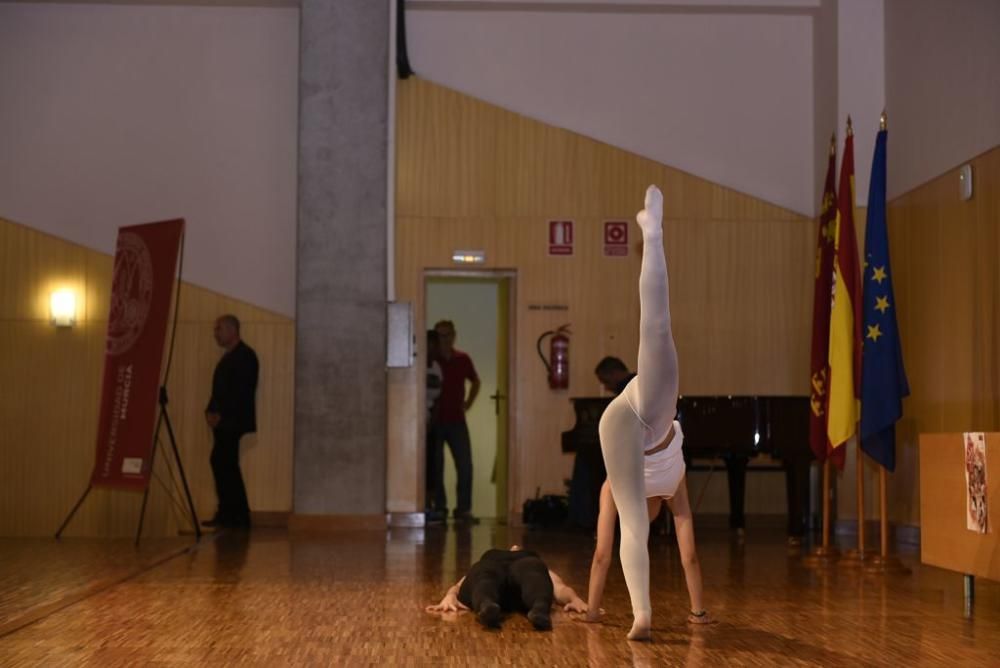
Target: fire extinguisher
557, 363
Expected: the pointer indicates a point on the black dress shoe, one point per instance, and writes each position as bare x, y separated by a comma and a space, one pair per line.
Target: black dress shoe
490, 615
540, 619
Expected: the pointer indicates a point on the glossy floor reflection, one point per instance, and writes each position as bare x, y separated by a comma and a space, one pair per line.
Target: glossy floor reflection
271, 598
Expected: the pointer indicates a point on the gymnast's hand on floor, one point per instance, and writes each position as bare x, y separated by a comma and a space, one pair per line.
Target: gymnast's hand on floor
594, 616
449, 603
576, 605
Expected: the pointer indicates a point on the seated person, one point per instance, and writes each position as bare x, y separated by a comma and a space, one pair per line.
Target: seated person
513, 580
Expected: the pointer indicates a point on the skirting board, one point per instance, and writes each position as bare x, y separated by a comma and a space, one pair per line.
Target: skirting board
898, 533
324, 523
406, 520
269, 519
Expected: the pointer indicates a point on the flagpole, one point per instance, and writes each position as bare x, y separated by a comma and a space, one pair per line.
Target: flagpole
826, 554
883, 515
859, 556
885, 563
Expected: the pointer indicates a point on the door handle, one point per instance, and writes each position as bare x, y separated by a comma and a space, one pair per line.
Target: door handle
496, 400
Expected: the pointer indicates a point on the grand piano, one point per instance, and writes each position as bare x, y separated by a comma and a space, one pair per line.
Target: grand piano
734, 429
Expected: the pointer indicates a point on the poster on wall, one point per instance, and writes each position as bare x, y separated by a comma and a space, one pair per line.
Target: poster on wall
975, 482
142, 288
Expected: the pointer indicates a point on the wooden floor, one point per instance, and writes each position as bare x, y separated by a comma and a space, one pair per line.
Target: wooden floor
355, 599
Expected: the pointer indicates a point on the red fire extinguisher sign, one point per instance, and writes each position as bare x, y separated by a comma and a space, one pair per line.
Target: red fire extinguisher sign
560, 237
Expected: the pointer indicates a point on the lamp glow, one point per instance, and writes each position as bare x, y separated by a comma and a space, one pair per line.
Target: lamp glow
468, 257
62, 307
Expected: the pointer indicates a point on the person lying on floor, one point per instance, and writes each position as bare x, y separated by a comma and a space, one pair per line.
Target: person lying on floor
513, 580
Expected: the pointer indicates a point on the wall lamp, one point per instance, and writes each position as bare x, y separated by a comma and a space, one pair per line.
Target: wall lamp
62, 308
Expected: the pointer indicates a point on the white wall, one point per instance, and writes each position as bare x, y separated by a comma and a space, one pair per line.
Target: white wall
725, 95
825, 87
116, 115
861, 84
942, 85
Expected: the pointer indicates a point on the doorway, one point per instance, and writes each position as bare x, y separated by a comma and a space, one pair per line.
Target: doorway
479, 304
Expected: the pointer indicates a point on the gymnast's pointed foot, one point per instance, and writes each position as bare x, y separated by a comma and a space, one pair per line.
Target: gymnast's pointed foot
650, 219
641, 628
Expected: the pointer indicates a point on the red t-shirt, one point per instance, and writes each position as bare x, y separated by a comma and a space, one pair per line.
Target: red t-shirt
455, 371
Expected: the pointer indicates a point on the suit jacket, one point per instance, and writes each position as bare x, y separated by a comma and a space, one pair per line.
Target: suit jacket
234, 390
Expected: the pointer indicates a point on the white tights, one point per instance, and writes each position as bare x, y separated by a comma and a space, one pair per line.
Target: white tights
640, 417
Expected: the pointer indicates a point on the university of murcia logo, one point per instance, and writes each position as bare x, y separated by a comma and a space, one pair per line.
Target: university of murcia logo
131, 293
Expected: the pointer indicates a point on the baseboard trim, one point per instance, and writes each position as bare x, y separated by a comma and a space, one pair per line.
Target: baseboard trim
270, 519
755, 521
325, 523
406, 520
904, 534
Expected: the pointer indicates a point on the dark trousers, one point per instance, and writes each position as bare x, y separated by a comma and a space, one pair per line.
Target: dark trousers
229, 487
516, 586
456, 435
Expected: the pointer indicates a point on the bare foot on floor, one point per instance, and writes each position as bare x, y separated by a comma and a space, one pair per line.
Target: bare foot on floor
641, 628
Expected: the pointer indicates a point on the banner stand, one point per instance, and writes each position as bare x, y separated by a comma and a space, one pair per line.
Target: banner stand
73, 512
163, 418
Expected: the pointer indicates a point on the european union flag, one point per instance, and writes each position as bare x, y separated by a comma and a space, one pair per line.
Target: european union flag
883, 379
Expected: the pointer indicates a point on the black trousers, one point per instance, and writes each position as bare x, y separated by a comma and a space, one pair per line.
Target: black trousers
515, 585
229, 487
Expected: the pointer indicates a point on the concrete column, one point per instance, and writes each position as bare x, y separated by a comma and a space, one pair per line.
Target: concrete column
340, 379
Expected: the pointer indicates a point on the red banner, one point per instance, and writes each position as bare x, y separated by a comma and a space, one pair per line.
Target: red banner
141, 293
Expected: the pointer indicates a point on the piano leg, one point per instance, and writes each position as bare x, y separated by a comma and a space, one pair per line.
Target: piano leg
797, 489
585, 487
736, 472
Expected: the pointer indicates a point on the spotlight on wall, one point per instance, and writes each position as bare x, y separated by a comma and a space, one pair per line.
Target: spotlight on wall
965, 182
62, 308
468, 257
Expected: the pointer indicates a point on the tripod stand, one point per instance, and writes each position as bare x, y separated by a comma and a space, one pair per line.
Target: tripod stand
164, 418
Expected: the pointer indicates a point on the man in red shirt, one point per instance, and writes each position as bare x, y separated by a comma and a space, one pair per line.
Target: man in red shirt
448, 421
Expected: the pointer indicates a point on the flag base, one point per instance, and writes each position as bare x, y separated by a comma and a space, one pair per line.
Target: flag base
824, 555
855, 558
886, 565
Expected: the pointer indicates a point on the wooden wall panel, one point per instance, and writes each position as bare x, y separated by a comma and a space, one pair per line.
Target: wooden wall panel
50, 386
470, 175
947, 282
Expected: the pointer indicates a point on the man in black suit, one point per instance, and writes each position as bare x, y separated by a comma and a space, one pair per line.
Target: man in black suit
231, 413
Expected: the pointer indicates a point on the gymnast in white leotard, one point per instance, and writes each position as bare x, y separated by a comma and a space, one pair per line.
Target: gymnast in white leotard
641, 443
